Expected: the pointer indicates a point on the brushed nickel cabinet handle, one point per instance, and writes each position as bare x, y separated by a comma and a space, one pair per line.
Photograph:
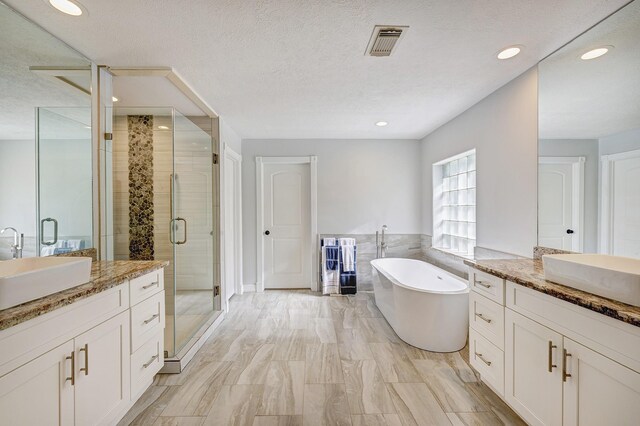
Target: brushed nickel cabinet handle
565, 355
487, 320
151, 319
551, 364
85, 349
151, 361
155, 283
483, 284
483, 360
72, 379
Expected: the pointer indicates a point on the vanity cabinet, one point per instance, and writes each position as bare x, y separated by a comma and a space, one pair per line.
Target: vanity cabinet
81, 364
562, 364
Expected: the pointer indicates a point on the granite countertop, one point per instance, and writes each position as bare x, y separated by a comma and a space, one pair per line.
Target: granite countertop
530, 273
104, 275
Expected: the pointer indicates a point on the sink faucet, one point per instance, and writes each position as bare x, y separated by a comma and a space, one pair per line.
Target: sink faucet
381, 247
18, 242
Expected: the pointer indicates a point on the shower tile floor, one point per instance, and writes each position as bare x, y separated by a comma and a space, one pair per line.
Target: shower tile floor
298, 358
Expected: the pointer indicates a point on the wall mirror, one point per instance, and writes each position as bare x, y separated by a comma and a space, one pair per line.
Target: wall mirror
46, 153
589, 140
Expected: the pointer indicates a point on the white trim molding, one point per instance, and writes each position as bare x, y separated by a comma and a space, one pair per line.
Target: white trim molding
577, 201
236, 199
312, 160
607, 185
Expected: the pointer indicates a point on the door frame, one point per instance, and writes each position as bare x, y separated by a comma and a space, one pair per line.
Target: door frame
577, 200
312, 160
607, 182
236, 199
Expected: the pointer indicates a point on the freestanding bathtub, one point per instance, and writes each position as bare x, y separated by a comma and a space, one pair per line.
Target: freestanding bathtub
426, 306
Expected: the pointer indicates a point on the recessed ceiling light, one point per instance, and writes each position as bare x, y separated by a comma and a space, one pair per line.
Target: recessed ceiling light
163, 128
381, 123
509, 52
114, 99
67, 6
595, 53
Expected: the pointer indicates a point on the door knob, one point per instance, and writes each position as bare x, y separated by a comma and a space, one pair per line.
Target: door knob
267, 232
569, 231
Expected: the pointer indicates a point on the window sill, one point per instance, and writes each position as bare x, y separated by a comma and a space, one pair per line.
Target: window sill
455, 254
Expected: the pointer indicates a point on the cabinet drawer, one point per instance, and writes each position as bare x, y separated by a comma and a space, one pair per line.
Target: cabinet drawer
147, 319
146, 285
487, 318
146, 362
488, 359
488, 285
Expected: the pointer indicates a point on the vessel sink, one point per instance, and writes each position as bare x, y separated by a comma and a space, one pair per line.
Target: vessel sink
613, 277
23, 280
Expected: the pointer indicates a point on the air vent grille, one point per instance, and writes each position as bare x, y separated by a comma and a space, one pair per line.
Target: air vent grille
384, 39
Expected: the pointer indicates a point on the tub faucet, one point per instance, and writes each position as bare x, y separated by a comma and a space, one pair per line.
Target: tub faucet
18, 242
381, 247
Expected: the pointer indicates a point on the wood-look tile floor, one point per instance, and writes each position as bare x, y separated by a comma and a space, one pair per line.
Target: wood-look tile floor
298, 358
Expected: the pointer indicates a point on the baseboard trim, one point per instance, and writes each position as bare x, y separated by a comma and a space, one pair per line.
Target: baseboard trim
250, 288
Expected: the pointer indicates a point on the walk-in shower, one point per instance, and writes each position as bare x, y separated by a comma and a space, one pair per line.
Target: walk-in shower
164, 195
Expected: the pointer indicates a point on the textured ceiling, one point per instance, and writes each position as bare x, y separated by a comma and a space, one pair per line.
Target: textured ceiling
296, 69
152, 92
600, 97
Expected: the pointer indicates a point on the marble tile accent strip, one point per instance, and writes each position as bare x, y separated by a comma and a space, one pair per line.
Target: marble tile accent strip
539, 251
530, 273
141, 246
90, 252
104, 275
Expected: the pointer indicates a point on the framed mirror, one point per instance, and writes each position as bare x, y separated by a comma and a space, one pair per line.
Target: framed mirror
589, 140
46, 154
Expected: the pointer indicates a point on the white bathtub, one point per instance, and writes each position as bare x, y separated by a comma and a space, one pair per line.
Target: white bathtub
426, 306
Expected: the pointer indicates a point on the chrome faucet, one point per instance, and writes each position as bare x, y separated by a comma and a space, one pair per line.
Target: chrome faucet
381, 247
18, 242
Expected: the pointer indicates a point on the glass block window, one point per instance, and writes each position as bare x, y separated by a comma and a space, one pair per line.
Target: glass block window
455, 204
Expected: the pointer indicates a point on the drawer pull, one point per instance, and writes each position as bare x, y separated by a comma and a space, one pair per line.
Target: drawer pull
483, 284
487, 320
151, 361
565, 355
483, 360
85, 349
551, 364
72, 379
151, 319
153, 284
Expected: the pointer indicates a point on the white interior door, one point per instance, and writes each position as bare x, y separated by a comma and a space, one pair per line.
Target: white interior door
229, 227
558, 205
626, 205
286, 236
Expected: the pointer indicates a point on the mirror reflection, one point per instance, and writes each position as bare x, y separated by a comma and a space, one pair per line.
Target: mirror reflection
589, 140
45, 142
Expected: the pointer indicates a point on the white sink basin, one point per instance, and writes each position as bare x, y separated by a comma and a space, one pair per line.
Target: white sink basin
22, 280
614, 277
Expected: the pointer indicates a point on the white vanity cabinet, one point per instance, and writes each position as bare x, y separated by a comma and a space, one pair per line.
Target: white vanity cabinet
74, 365
563, 364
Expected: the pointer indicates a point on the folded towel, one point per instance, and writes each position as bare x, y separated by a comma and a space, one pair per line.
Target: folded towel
332, 257
330, 278
329, 242
348, 258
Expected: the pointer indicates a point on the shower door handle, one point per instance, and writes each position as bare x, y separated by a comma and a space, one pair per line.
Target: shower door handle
55, 231
173, 228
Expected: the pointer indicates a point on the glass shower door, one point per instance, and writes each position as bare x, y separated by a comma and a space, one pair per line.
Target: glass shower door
191, 229
65, 182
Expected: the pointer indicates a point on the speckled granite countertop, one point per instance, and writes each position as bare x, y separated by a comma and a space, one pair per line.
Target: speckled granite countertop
104, 275
530, 273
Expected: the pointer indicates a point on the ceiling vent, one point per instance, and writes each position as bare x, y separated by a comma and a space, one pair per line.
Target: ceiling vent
385, 39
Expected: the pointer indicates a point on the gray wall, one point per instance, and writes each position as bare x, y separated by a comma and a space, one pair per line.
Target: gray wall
362, 184
620, 142
581, 148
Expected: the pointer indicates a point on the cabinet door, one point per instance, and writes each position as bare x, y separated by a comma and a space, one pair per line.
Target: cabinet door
38, 393
599, 391
531, 350
102, 371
